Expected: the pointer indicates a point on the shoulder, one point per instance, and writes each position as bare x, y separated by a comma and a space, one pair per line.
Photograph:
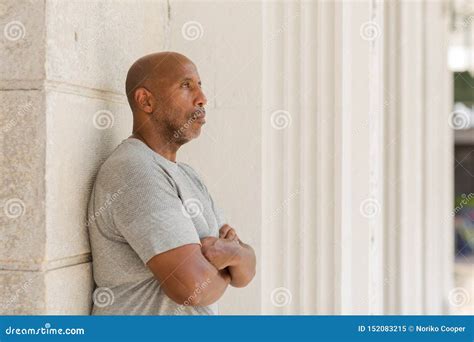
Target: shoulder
189, 169
132, 165
195, 176
191, 172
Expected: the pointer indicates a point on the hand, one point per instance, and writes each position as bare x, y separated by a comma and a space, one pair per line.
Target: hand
221, 252
227, 232
207, 242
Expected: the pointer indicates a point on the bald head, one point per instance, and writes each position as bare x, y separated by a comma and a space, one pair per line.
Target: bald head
166, 98
154, 71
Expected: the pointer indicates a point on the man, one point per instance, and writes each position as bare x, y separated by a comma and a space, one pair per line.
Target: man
160, 245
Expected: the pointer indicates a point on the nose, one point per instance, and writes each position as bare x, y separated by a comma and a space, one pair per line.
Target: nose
201, 99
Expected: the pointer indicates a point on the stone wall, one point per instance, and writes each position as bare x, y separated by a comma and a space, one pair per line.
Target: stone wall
63, 110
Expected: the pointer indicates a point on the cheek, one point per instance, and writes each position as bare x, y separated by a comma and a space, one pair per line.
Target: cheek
178, 111
174, 115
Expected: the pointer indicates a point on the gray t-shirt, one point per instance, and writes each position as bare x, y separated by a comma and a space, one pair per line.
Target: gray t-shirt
143, 204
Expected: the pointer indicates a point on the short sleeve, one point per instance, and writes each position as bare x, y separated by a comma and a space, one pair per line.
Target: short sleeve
220, 217
218, 212
150, 215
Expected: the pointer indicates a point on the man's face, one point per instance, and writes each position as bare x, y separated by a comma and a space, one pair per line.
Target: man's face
180, 103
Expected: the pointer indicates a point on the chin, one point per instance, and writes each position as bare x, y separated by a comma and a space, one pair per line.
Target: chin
184, 140
196, 133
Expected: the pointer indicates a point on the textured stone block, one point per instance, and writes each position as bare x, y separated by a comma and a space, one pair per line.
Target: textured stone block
98, 54
82, 132
22, 293
22, 37
22, 171
69, 290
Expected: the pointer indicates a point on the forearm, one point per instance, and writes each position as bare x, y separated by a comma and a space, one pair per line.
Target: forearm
215, 288
243, 268
187, 277
209, 283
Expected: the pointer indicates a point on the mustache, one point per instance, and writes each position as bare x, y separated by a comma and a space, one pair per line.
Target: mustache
198, 112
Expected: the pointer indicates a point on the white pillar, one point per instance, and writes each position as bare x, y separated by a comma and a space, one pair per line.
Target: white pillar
354, 159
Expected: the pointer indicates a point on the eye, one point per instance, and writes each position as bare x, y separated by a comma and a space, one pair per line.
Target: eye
185, 85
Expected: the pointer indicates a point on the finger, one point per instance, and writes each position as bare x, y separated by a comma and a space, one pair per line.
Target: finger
223, 231
208, 241
231, 234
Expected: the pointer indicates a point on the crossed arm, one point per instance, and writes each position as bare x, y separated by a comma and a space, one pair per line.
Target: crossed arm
198, 275
228, 252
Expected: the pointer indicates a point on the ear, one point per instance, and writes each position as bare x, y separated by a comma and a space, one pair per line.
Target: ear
144, 100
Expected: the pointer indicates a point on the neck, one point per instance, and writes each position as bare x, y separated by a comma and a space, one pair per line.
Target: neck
159, 143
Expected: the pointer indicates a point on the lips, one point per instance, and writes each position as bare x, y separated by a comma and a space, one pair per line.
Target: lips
200, 115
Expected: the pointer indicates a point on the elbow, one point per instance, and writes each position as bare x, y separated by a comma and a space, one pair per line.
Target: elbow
196, 296
194, 299
244, 280
185, 299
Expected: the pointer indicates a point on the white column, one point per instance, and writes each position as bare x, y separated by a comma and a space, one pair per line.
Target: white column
350, 116
418, 160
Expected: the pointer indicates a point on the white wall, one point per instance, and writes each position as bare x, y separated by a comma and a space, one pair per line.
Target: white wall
228, 153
